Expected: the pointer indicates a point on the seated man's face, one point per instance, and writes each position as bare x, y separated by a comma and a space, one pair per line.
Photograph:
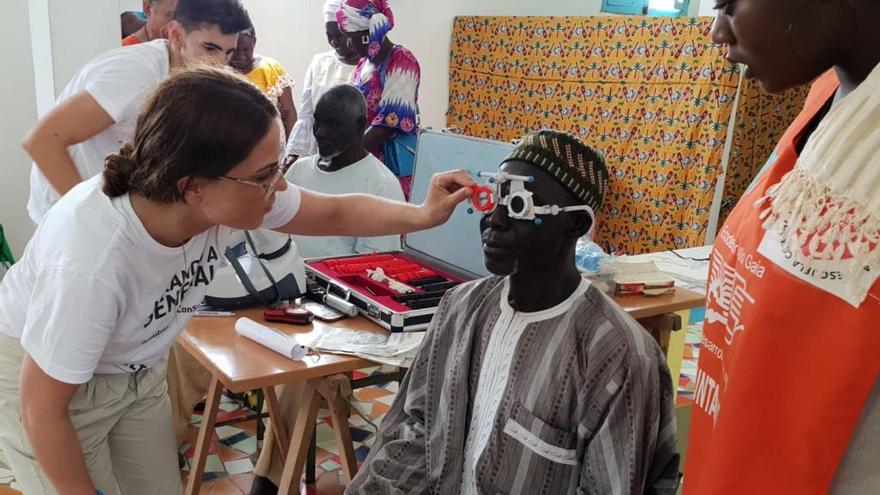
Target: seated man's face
511, 245
335, 129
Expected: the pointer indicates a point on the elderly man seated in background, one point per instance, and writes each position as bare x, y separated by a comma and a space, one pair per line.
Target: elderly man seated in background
343, 166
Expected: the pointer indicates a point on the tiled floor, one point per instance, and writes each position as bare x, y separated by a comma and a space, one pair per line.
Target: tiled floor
234, 452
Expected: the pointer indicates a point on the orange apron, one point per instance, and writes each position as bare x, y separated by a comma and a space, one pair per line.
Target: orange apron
785, 364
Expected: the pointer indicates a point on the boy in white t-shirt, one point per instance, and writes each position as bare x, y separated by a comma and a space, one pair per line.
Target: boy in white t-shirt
343, 166
95, 114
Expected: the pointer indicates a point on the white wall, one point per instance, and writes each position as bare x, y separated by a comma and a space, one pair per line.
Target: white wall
131, 5
53, 38
293, 30
42, 43
19, 113
80, 30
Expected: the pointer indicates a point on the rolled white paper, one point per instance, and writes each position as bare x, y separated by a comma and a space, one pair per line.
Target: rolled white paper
273, 339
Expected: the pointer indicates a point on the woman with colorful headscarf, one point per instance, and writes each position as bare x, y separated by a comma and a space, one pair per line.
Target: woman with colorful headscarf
388, 75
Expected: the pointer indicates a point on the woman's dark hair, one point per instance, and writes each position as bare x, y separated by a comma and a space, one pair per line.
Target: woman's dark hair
201, 121
229, 15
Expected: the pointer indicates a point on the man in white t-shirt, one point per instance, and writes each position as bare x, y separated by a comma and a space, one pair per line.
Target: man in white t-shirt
343, 166
95, 114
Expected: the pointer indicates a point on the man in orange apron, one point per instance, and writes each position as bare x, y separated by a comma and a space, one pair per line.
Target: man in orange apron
786, 398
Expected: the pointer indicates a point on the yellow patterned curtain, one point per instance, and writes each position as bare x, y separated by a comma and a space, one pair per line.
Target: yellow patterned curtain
653, 95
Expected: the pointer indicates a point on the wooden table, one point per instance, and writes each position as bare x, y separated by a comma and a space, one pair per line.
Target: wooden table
641, 307
238, 364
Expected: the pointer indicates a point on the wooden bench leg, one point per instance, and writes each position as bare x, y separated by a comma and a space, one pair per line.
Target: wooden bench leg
339, 411
306, 417
280, 438
206, 434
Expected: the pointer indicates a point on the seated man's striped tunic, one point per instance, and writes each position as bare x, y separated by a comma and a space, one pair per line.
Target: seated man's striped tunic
575, 399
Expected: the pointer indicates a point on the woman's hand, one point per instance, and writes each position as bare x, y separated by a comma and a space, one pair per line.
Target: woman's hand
445, 192
361, 215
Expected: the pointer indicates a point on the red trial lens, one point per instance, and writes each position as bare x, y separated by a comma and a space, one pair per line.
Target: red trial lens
482, 199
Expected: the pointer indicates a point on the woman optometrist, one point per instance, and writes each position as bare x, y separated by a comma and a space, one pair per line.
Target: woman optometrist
113, 272
787, 395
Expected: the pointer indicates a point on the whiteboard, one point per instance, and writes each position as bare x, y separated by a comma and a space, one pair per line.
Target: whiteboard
456, 242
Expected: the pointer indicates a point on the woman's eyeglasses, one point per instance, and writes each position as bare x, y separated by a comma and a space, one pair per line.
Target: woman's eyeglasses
269, 185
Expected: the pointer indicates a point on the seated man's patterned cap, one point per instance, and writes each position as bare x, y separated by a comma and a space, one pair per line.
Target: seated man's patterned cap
575, 165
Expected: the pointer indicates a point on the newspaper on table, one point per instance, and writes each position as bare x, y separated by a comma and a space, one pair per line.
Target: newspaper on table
394, 349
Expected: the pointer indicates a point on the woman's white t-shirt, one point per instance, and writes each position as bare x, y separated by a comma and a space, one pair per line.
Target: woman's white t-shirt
94, 293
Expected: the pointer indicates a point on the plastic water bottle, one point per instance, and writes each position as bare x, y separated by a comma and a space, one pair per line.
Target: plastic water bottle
588, 255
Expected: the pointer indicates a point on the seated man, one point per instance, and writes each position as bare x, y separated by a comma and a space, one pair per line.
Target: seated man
531, 381
343, 166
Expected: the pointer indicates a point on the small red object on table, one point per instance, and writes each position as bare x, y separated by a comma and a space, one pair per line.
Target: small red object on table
294, 316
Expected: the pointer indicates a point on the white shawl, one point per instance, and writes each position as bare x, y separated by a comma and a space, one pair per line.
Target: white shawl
828, 207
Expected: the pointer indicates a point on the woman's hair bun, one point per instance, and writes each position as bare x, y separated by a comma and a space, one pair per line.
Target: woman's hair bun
118, 168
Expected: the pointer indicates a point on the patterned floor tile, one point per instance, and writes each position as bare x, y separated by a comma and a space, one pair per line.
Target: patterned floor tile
242, 481
230, 454
359, 435
324, 433
224, 432
212, 449
361, 452
380, 409
238, 437
247, 446
371, 393
214, 464
239, 466
322, 455
386, 399
329, 447
223, 486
